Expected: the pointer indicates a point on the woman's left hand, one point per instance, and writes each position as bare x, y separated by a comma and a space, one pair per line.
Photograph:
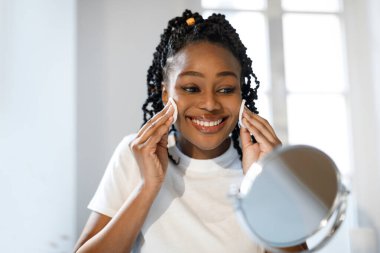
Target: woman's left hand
264, 134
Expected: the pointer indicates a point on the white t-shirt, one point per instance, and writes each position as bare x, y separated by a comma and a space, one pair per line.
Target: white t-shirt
192, 212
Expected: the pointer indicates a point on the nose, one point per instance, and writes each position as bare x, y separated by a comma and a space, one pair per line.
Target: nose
209, 102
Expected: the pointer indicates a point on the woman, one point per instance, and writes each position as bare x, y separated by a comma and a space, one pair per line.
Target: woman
165, 187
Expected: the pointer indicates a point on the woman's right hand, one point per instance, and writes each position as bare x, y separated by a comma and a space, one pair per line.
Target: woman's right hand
150, 147
102, 233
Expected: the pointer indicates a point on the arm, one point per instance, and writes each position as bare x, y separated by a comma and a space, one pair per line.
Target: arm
103, 234
118, 234
95, 223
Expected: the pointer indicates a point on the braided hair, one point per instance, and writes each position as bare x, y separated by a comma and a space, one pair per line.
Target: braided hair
180, 33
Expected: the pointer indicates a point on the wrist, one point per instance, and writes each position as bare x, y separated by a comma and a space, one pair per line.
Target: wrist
150, 188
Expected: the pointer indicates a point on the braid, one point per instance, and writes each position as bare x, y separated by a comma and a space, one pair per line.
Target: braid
178, 34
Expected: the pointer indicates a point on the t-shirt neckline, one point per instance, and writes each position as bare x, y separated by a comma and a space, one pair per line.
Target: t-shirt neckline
224, 161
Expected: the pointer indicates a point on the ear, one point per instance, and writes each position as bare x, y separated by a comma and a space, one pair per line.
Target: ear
164, 94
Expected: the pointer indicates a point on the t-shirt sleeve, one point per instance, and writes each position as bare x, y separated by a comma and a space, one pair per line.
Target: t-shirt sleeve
121, 177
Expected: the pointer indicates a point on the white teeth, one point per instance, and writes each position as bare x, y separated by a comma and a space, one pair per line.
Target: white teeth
207, 123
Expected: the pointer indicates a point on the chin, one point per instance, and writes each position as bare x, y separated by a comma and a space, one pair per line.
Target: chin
208, 143
210, 139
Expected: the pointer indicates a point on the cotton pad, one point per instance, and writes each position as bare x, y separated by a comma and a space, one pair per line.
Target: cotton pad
241, 113
171, 100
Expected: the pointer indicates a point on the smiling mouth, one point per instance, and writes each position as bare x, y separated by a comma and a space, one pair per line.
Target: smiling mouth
207, 123
208, 126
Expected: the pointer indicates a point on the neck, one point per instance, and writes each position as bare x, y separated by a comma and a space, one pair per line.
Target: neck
196, 152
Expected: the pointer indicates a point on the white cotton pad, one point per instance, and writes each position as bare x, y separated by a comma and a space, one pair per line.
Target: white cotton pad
241, 113
171, 100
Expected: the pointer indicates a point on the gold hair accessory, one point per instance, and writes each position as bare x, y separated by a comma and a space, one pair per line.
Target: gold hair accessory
190, 21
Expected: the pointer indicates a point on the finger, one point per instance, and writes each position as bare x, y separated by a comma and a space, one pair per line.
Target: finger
259, 136
245, 137
262, 126
162, 146
165, 122
154, 118
159, 120
150, 142
154, 124
164, 141
157, 138
251, 151
261, 120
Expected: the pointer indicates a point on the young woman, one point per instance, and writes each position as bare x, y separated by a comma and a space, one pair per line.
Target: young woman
165, 188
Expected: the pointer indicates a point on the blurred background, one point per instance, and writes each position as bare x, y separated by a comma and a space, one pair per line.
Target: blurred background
72, 83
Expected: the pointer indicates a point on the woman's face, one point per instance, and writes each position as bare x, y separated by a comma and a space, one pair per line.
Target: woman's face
204, 81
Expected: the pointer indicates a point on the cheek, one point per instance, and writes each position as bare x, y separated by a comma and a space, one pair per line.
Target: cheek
234, 106
235, 111
183, 103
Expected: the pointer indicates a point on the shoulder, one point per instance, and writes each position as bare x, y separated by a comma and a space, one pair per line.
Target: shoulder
123, 148
124, 143
121, 177
122, 160
122, 169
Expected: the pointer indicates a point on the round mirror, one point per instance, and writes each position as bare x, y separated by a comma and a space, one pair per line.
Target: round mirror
291, 196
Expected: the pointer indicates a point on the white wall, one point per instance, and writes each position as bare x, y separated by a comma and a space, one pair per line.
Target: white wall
37, 125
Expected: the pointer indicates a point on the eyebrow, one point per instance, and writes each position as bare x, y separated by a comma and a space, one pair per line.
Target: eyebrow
198, 74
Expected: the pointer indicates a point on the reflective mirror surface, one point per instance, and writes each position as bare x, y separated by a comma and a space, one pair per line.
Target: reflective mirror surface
290, 195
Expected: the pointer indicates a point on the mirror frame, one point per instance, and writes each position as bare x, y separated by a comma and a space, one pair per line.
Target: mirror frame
331, 222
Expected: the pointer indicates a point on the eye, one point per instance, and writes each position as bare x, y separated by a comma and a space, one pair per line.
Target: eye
226, 90
191, 89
